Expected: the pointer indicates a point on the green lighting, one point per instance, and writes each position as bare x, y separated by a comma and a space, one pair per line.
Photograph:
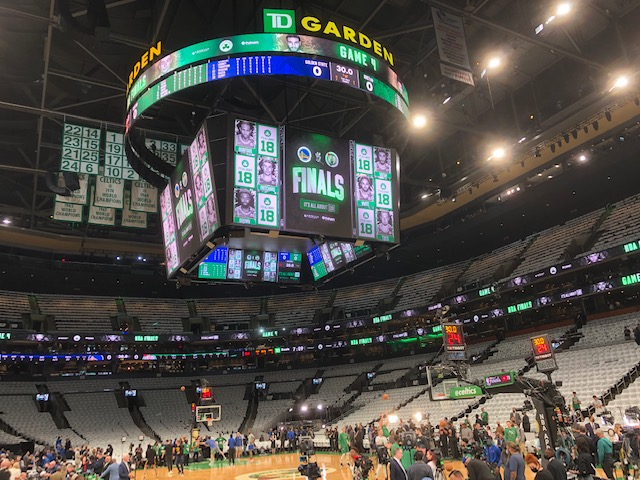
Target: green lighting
627, 280
146, 338
519, 307
381, 319
631, 247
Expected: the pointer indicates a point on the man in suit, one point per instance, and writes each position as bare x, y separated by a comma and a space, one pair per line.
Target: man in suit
397, 471
123, 468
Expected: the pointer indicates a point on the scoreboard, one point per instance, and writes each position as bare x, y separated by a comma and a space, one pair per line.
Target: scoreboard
454, 341
251, 266
331, 256
543, 353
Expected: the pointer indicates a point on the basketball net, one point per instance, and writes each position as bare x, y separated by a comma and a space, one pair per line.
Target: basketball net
210, 422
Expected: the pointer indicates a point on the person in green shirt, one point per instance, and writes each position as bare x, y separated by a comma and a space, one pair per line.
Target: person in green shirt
221, 441
195, 447
484, 416
604, 453
511, 434
576, 404
343, 445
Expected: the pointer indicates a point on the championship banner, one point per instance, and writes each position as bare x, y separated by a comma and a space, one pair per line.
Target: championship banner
167, 151
101, 215
131, 218
79, 196
144, 197
80, 149
116, 163
67, 212
450, 38
109, 192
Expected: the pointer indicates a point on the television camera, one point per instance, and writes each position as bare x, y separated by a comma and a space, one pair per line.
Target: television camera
306, 468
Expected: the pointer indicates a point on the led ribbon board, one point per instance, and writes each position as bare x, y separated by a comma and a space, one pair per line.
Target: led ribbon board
263, 65
262, 43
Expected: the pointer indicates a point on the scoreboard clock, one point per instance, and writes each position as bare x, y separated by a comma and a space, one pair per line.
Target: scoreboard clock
543, 353
454, 341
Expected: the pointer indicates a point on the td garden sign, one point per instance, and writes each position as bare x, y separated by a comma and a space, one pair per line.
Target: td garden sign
284, 21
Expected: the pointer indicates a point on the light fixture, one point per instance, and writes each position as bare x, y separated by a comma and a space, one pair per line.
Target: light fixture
608, 116
424, 196
566, 137
6, 221
563, 9
582, 158
549, 176
419, 121
418, 417
494, 62
303, 408
537, 152
575, 134
453, 199
392, 418
447, 99
621, 82
553, 148
319, 407
595, 125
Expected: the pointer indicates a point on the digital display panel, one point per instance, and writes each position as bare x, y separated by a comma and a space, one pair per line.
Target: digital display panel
289, 267
375, 193
263, 42
541, 347
256, 174
316, 263
317, 183
130, 393
44, 397
258, 65
502, 379
331, 256
454, 341
188, 205
251, 265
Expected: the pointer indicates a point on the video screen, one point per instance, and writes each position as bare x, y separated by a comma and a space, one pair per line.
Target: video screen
251, 266
331, 256
256, 174
131, 393
44, 397
317, 183
188, 205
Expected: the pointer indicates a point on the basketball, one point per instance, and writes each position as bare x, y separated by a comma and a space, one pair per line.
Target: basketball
385, 396
182, 388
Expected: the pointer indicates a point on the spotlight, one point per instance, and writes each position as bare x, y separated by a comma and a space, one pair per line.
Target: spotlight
608, 116
453, 199
621, 82
118, 258
319, 407
559, 143
566, 137
553, 148
563, 9
6, 221
419, 121
582, 158
494, 62
575, 134
303, 408
585, 129
418, 417
470, 190
447, 99
595, 125
392, 418
537, 152
495, 178
424, 196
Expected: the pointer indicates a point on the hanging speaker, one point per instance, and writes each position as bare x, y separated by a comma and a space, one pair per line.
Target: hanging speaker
62, 183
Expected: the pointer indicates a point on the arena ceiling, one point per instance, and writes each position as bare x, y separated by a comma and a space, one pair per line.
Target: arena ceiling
62, 60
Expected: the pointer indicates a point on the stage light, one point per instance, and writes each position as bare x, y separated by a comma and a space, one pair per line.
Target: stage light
582, 158
566, 137
319, 407
118, 258
6, 221
392, 418
585, 129
447, 99
563, 9
303, 408
553, 148
498, 153
494, 62
608, 116
559, 143
418, 417
424, 196
595, 125
537, 152
557, 166
575, 134
290, 410
453, 199
621, 82
419, 121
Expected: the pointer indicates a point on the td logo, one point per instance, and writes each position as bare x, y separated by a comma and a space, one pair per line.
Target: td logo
279, 21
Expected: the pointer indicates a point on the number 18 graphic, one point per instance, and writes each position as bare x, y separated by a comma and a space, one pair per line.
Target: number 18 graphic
365, 223
268, 210
267, 141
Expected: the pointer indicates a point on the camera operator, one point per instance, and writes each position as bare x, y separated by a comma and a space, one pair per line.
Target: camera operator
477, 469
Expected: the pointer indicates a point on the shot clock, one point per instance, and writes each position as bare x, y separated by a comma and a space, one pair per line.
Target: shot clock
454, 342
543, 353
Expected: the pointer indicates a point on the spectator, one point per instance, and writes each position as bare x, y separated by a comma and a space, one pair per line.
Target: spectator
515, 466
584, 467
605, 453
419, 470
556, 467
477, 469
484, 417
526, 423
535, 466
397, 470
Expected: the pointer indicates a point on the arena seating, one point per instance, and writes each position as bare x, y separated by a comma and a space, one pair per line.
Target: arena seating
294, 310
518, 345
419, 289
621, 226
364, 296
269, 414
483, 268
230, 310
283, 387
158, 315
79, 313
550, 244
288, 375
13, 305
332, 391
628, 398
20, 412
167, 412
